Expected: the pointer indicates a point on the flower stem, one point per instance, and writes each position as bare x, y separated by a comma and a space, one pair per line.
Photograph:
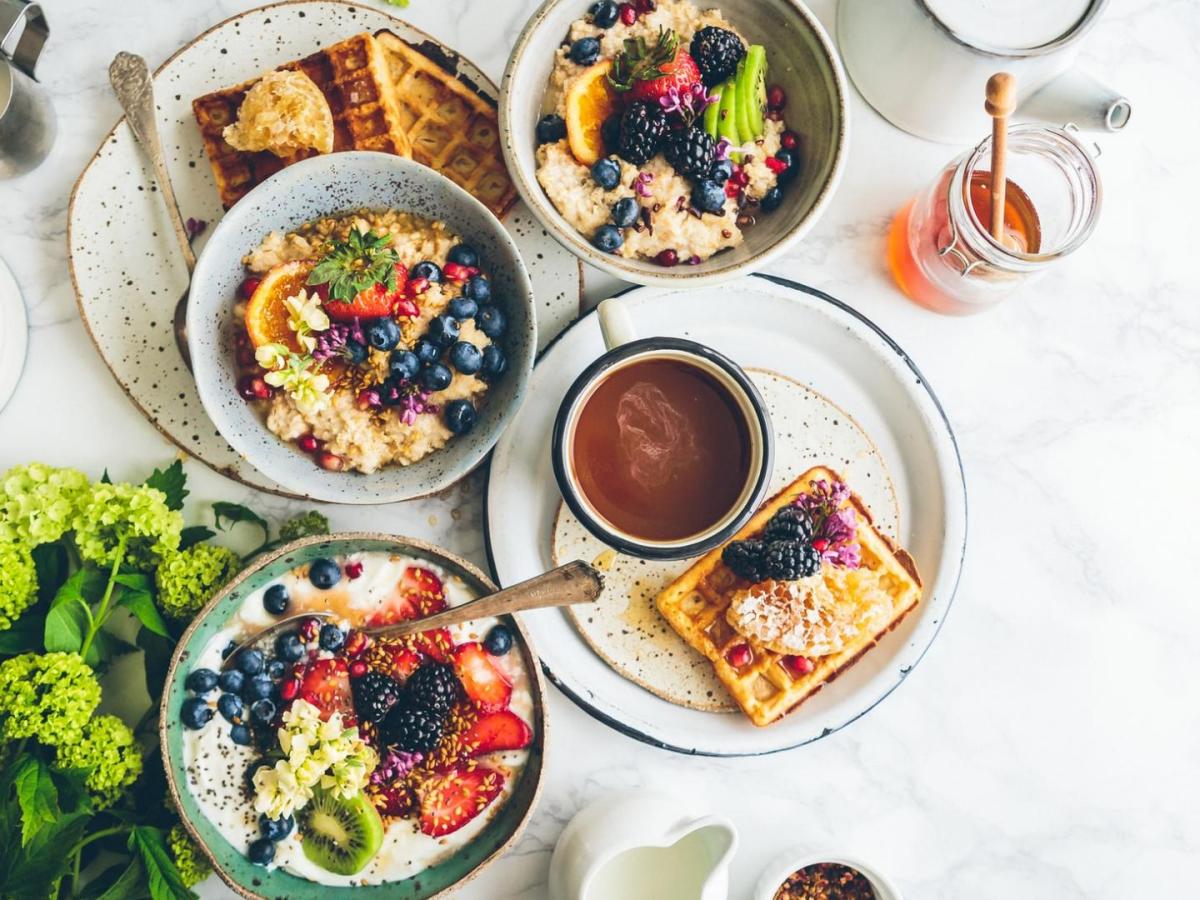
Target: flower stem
101, 616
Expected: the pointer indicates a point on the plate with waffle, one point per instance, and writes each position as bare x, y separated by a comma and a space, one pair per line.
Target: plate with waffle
379, 83
823, 603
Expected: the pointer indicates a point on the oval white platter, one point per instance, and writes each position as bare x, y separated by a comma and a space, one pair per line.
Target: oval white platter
125, 265
801, 333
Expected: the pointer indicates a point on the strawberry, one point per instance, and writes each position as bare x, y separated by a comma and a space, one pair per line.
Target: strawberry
450, 801
325, 683
482, 681
419, 593
393, 799
370, 303
404, 663
502, 730
681, 73
436, 644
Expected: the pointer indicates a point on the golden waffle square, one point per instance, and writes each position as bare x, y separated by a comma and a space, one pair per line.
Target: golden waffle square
353, 77
695, 605
451, 127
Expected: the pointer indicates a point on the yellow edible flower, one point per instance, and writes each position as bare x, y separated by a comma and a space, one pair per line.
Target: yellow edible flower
305, 316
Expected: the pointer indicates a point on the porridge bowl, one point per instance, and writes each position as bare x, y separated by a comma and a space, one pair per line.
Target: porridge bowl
756, 83
361, 329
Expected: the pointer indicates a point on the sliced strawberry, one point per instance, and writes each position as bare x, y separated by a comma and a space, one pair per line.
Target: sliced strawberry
436, 644
325, 683
370, 303
503, 730
482, 681
404, 663
394, 799
680, 73
419, 593
450, 801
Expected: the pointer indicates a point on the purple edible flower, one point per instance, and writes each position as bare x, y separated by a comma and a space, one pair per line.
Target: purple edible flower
332, 341
687, 104
415, 402
641, 184
394, 765
722, 149
833, 522
195, 228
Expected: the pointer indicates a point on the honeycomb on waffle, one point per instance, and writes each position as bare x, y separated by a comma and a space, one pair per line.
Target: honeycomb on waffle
353, 77
450, 126
766, 688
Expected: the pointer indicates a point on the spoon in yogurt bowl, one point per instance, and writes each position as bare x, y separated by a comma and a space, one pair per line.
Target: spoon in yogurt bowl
566, 585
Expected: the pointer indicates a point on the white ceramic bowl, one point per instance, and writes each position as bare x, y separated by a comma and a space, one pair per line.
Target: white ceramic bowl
337, 183
797, 858
802, 60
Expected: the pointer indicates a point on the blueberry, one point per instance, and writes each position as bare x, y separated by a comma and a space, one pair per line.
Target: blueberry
464, 254
288, 647
462, 308
263, 710
610, 132
608, 238
459, 416
275, 669
494, 363
201, 681
772, 199
789, 157
606, 173
228, 649
250, 662
331, 638
625, 212
240, 734
275, 599
465, 357
436, 377
550, 128
324, 573
383, 333
498, 641
390, 393
709, 197
478, 288
443, 330
721, 171
276, 829
604, 14
195, 713
231, 681
491, 321
585, 51
257, 688
261, 852
430, 271
230, 706
355, 352
427, 351
404, 365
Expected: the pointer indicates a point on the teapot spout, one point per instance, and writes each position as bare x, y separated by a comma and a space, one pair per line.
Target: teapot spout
1077, 98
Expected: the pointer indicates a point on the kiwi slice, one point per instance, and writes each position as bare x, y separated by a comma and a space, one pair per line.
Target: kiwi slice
727, 115
712, 113
745, 133
752, 92
339, 834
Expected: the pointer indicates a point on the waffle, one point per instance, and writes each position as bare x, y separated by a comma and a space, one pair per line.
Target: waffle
353, 77
451, 127
695, 605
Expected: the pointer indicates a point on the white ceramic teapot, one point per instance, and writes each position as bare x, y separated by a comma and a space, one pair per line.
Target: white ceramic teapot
643, 845
923, 64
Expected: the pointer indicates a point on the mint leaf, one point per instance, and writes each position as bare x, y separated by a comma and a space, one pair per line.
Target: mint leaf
162, 877
172, 481
195, 534
37, 797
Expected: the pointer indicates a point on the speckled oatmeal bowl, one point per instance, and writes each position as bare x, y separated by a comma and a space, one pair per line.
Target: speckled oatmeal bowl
330, 185
802, 61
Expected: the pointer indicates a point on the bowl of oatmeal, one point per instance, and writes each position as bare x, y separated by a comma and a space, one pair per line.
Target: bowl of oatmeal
669, 140
361, 329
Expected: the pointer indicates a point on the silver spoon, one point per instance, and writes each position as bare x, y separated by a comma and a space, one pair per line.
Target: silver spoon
576, 582
130, 77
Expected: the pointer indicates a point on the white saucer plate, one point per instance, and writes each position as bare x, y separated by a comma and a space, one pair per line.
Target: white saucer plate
801, 333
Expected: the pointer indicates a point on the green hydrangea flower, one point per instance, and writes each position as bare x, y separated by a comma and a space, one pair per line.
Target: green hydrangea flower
187, 579
303, 525
48, 696
109, 752
191, 863
38, 502
18, 582
139, 514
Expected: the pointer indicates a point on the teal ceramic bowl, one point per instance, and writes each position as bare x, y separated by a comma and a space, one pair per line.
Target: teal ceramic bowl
253, 881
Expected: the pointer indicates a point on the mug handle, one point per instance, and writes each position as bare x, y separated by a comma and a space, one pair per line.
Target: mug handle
26, 23
615, 324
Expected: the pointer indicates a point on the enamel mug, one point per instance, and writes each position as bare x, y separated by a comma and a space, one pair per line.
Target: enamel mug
923, 64
27, 125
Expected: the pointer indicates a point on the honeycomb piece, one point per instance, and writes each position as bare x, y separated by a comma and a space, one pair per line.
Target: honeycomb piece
283, 113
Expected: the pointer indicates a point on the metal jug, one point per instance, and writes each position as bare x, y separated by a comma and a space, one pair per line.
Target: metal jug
27, 125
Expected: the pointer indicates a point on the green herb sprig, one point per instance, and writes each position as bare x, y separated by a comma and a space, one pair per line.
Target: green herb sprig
362, 261
641, 62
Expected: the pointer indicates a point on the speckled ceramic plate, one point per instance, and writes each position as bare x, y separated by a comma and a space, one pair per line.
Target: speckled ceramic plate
125, 266
799, 333
625, 629
254, 881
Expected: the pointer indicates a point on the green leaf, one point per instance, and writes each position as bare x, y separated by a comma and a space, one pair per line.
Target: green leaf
106, 646
104, 479
235, 513
363, 260
158, 650
141, 604
67, 620
123, 881
37, 797
27, 633
161, 875
51, 563
195, 534
172, 481
71, 785
38, 868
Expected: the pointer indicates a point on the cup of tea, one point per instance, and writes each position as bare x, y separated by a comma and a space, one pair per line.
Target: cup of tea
662, 447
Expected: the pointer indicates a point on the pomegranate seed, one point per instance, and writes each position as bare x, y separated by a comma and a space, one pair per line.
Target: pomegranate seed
308, 629
330, 461
789, 140
249, 286
820, 545
739, 177
358, 669
732, 189
289, 689
245, 357
417, 285
628, 13
357, 642
667, 258
776, 98
350, 721
455, 272
308, 443
252, 387
310, 697
645, 6
407, 307
738, 655
353, 569
778, 166
800, 665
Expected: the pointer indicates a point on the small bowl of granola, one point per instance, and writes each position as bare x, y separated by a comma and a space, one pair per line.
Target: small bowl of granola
799, 874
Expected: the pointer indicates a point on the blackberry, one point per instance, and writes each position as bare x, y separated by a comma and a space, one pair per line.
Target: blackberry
411, 729
789, 560
643, 127
791, 524
717, 52
691, 152
434, 686
745, 558
374, 695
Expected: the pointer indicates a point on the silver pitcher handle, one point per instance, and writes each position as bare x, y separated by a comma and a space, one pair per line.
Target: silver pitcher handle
23, 26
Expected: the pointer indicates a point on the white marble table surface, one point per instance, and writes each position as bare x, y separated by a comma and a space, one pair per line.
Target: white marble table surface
1049, 744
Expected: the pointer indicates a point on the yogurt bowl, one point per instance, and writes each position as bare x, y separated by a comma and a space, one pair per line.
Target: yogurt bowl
797, 858
418, 760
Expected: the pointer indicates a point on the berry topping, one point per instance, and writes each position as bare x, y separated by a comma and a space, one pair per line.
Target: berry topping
404, 365
374, 695
434, 686
201, 681
789, 139
650, 72
324, 573
261, 851
430, 271
195, 713
331, 637
478, 288
443, 330
412, 729
450, 801
608, 238
257, 688
604, 13
502, 730
382, 334
789, 160
262, 711
462, 308
584, 51
482, 681
465, 357
709, 197
745, 559
463, 255
276, 829
628, 13
460, 416
499, 640
241, 735
491, 321
358, 669
249, 286
739, 655
790, 523
253, 387
356, 642
353, 569
326, 685
289, 690
772, 199
625, 212
691, 152
798, 665
643, 127
231, 681
776, 98
308, 443
606, 173
436, 377
368, 303
494, 363
551, 128
789, 560
231, 707
250, 662
330, 461
717, 53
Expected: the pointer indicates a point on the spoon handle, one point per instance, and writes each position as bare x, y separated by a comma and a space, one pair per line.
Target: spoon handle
576, 582
130, 79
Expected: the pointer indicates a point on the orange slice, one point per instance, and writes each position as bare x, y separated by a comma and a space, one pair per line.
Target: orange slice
590, 100
266, 315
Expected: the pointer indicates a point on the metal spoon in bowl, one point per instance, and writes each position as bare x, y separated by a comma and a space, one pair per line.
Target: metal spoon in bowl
576, 582
130, 77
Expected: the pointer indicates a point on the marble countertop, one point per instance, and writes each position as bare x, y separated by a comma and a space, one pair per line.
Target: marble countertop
1049, 744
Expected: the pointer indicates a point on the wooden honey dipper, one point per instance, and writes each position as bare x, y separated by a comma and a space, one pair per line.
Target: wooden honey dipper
1000, 104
